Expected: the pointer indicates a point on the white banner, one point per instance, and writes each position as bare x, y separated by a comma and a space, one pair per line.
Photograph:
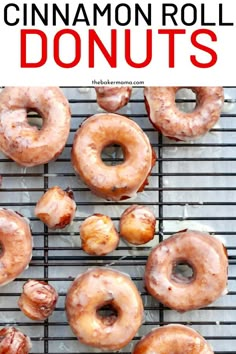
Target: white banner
151, 43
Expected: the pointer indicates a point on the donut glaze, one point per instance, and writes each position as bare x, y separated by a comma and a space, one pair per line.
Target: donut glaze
56, 208
112, 98
98, 235
174, 338
112, 182
38, 300
16, 245
173, 123
26, 144
12, 341
204, 254
137, 225
92, 291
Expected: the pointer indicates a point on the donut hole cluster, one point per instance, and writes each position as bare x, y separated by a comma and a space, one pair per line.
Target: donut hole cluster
182, 272
181, 96
113, 155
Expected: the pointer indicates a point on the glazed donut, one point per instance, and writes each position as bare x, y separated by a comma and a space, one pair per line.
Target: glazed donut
113, 98
112, 182
12, 341
56, 208
174, 338
98, 235
15, 245
204, 254
38, 300
23, 143
91, 292
137, 225
171, 122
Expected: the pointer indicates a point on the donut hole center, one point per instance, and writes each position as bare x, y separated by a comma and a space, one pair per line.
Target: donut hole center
107, 314
34, 119
1, 249
185, 100
112, 155
182, 272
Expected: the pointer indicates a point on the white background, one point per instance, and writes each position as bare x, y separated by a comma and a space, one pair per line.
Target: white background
156, 73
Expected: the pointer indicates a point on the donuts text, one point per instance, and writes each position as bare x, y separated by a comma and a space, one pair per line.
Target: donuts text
111, 54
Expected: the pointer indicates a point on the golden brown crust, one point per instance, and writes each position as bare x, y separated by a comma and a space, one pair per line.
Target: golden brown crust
16, 244
24, 143
56, 208
137, 225
12, 341
206, 256
112, 182
38, 300
176, 339
112, 98
171, 122
98, 235
93, 290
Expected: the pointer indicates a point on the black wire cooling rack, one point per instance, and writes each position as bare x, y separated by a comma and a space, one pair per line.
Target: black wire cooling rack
193, 185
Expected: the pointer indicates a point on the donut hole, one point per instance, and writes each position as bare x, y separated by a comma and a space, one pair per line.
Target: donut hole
113, 155
107, 314
1, 249
182, 272
34, 119
185, 100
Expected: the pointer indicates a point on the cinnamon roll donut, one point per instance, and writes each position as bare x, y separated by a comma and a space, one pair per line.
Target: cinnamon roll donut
15, 245
94, 290
173, 123
112, 98
174, 338
26, 144
112, 182
206, 256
